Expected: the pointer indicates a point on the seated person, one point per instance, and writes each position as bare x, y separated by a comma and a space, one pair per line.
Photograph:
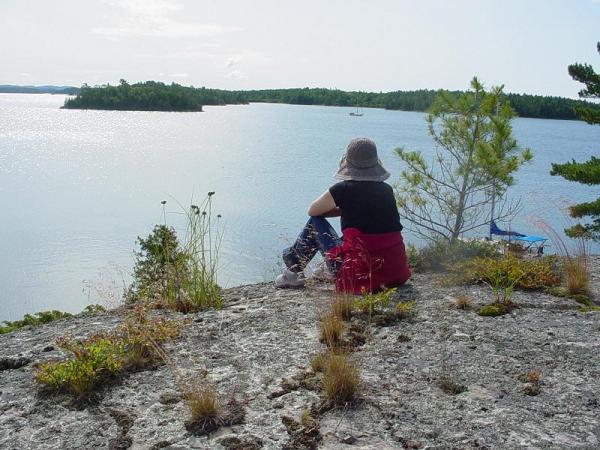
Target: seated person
370, 255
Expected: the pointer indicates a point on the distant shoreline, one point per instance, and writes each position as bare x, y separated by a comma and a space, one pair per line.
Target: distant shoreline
156, 96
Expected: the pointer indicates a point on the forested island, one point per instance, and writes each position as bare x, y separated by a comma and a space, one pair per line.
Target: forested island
157, 96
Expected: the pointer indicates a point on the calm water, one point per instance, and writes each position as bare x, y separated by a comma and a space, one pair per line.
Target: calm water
77, 187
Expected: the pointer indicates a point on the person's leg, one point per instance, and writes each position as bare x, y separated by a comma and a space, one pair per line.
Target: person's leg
317, 235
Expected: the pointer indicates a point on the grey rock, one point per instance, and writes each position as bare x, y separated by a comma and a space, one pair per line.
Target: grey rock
262, 340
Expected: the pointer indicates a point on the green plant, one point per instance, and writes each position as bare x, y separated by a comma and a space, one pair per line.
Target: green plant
476, 157
493, 310
93, 362
138, 332
370, 303
202, 249
416, 261
180, 276
160, 267
442, 255
405, 310
340, 380
99, 358
587, 172
509, 271
93, 309
33, 320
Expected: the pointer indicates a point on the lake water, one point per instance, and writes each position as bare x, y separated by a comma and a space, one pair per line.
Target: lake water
78, 187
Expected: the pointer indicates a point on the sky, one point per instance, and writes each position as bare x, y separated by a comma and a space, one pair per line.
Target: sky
376, 45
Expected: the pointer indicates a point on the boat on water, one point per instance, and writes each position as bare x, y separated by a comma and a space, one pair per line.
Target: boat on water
356, 113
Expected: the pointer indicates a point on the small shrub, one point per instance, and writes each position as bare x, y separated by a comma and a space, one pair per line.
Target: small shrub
404, 310
38, 318
93, 309
99, 358
370, 303
139, 333
441, 255
342, 306
509, 272
331, 328
493, 310
415, 259
180, 276
461, 302
94, 361
340, 380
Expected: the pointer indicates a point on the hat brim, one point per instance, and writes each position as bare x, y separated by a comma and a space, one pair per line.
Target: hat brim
375, 173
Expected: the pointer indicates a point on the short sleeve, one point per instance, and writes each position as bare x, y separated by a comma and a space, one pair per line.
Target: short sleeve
338, 192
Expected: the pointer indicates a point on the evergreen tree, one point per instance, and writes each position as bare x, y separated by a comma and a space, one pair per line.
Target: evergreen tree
587, 172
475, 160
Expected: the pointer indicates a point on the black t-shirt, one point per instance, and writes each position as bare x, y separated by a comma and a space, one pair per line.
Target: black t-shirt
369, 206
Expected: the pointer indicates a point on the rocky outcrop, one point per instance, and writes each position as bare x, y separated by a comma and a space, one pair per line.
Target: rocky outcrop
257, 349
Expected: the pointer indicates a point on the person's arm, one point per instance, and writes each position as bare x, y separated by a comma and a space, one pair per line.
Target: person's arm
324, 206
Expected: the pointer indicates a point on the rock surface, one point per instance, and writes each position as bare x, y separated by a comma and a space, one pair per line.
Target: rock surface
264, 336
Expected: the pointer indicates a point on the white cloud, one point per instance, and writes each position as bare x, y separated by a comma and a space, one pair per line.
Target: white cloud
180, 75
154, 18
236, 74
233, 61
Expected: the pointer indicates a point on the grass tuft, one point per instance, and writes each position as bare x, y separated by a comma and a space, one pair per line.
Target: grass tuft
461, 302
342, 306
331, 329
340, 380
576, 275
203, 407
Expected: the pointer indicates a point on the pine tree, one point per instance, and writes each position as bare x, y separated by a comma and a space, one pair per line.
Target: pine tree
587, 172
476, 157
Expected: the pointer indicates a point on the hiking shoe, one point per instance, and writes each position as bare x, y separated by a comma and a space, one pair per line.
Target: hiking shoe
322, 273
289, 279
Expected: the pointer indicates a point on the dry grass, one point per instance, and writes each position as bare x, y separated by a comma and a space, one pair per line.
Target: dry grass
340, 380
318, 362
533, 381
461, 301
342, 306
534, 376
203, 406
576, 275
331, 329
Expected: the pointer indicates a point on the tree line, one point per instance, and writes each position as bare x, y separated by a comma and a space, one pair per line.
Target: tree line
153, 95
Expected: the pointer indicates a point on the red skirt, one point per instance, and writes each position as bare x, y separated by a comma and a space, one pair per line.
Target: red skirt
369, 262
